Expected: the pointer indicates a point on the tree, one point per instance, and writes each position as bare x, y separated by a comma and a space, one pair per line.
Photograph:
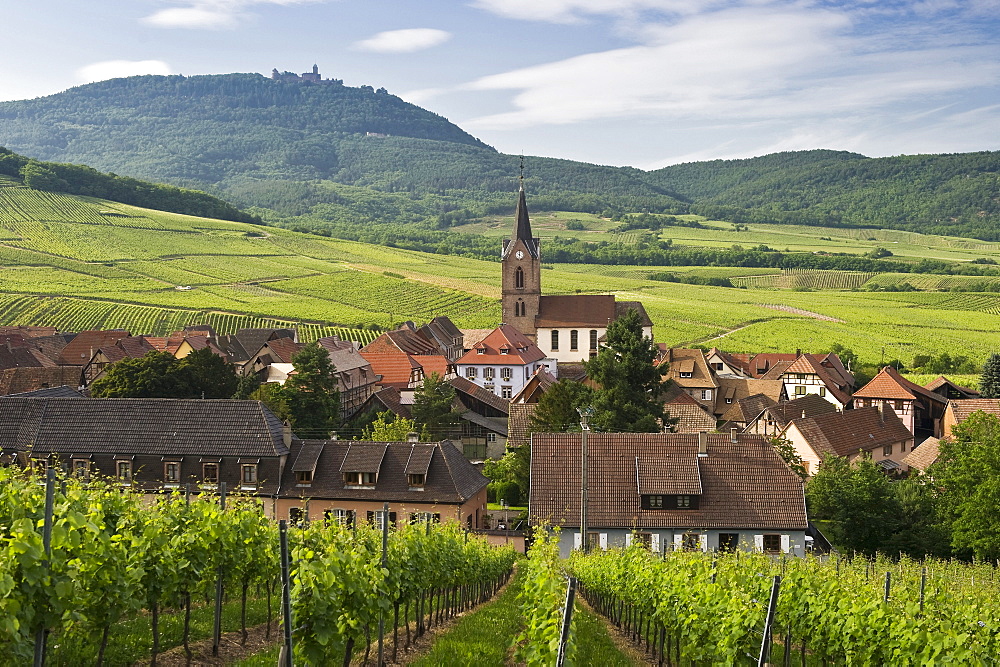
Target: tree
512, 469
274, 396
789, 455
989, 381
968, 471
311, 393
858, 502
390, 427
208, 374
154, 375
628, 399
433, 407
556, 411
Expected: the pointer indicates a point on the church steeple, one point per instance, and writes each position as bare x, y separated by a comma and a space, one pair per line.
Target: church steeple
521, 282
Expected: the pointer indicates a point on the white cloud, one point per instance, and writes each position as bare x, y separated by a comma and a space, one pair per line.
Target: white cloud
112, 69
209, 14
571, 11
403, 41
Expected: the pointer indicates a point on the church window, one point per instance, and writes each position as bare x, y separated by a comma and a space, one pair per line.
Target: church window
574, 340
593, 339
555, 339
519, 308
519, 278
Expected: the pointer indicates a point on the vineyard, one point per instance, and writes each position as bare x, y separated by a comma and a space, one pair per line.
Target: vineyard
804, 278
929, 282
695, 608
79, 561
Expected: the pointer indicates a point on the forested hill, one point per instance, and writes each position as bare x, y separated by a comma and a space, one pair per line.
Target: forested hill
956, 195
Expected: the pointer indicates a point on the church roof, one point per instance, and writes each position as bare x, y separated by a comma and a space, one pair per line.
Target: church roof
522, 229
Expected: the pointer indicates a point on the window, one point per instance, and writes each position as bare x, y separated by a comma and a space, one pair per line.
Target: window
489, 373
645, 539
772, 544
897, 405
504, 350
377, 519
822, 391
652, 502
296, 515
691, 542
304, 476
172, 472
573, 340
555, 339
593, 541
249, 474
81, 468
505, 374
800, 390
718, 366
415, 480
683, 502
686, 374
124, 470
39, 465
360, 478
425, 517
480, 350
519, 308
210, 473
491, 437
519, 278
706, 394
471, 373
902, 446
506, 392
729, 400
729, 541
887, 450
593, 339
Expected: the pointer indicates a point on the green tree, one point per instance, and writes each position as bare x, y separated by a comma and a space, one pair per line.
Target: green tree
311, 392
390, 427
556, 411
434, 407
989, 381
789, 455
856, 500
273, 395
208, 374
513, 468
968, 471
154, 375
628, 399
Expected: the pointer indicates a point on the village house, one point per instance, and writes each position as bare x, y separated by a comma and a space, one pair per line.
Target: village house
745, 411
920, 409
689, 372
876, 432
503, 362
924, 455
945, 388
671, 491
21, 380
350, 481
690, 415
404, 357
958, 411
734, 389
813, 374
356, 381
484, 420
773, 420
566, 328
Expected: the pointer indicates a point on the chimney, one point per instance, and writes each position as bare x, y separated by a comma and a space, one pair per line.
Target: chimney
803, 413
732, 436
702, 443
798, 352
286, 434
412, 436
333, 435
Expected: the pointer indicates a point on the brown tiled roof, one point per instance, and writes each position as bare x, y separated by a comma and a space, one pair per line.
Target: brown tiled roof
308, 456
737, 362
50, 392
343, 353
451, 478
79, 350
582, 310
420, 459
747, 409
519, 424
475, 391
572, 370
622, 307
852, 431
690, 415
495, 424
390, 399
28, 332
962, 408
253, 339
52, 346
158, 426
283, 349
736, 389
809, 405
23, 357
519, 349
744, 484
402, 340
19, 380
668, 474
535, 387
470, 337
364, 457
778, 369
690, 361
941, 381
889, 384
923, 455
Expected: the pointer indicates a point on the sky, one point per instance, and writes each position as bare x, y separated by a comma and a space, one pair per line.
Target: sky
643, 83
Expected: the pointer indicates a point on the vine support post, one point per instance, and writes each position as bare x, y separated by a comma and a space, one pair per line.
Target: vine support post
923, 587
50, 492
765, 642
286, 595
385, 560
217, 626
567, 621
888, 583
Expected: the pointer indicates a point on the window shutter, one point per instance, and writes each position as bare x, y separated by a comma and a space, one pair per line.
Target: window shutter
703, 539
602, 539
786, 543
678, 541
628, 539
758, 542
654, 543
577, 542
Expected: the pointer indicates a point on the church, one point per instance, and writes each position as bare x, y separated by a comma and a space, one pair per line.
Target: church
566, 327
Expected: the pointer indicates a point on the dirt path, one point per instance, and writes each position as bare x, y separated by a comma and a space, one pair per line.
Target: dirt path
230, 649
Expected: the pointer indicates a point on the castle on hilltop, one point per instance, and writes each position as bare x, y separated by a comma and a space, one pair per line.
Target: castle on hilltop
305, 77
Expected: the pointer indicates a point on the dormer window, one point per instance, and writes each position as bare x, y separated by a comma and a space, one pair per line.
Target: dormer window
480, 350
360, 478
304, 476
81, 468
210, 473
665, 502
124, 470
416, 481
504, 350
686, 374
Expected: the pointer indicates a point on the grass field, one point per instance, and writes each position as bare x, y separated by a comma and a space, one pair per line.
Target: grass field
76, 262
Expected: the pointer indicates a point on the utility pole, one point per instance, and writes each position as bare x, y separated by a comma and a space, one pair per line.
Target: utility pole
585, 414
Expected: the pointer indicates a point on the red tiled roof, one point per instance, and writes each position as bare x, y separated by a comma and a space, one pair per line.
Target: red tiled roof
80, 350
283, 349
962, 408
396, 368
402, 340
434, 363
505, 337
744, 484
889, 384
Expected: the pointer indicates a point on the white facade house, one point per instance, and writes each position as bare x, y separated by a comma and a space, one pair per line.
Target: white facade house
503, 362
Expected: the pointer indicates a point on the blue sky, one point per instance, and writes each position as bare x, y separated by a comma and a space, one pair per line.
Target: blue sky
644, 83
